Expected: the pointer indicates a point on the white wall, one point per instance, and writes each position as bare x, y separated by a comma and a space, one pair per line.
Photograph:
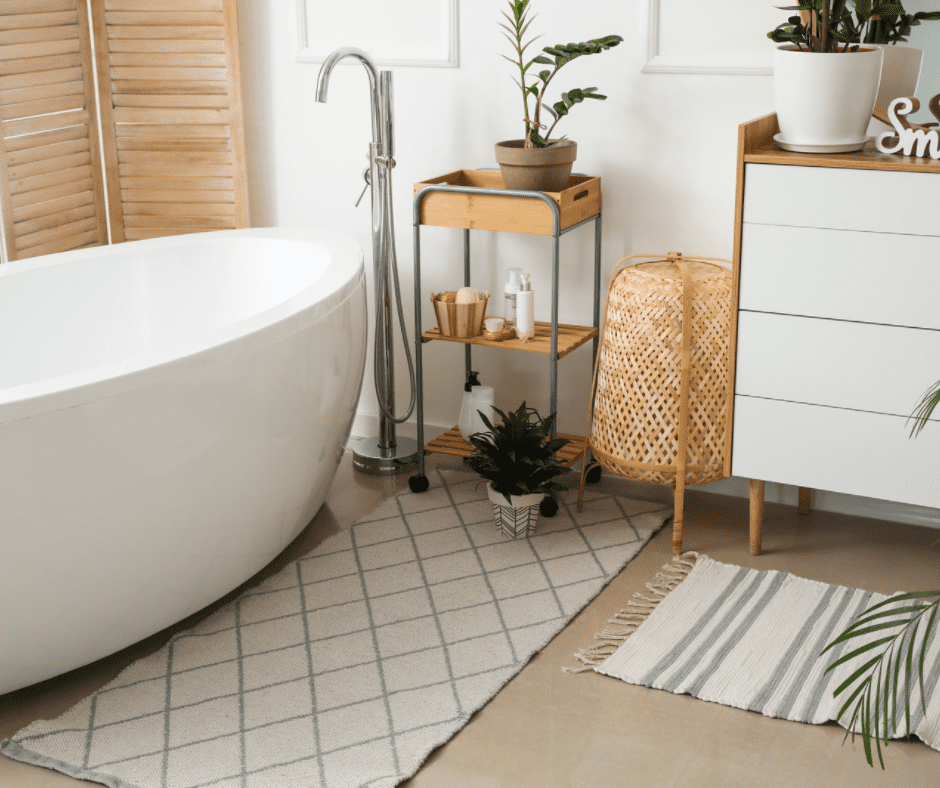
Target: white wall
664, 144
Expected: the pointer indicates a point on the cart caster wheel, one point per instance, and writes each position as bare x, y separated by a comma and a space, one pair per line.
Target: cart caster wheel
593, 475
548, 507
418, 483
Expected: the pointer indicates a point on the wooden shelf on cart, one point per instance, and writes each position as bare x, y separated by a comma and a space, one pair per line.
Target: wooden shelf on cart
580, 201
569, 338
451, 443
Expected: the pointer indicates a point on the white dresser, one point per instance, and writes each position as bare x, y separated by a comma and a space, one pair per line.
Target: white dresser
836, 330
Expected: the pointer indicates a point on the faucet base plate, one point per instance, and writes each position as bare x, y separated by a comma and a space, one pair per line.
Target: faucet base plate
369, 458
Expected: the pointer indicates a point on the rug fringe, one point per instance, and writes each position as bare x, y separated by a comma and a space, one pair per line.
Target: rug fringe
626, 621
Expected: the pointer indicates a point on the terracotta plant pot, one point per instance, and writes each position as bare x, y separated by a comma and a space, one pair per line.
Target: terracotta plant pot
518, 517
824, 101
536, 169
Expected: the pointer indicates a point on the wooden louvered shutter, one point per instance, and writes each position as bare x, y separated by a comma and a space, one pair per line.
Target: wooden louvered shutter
171, 115
52, 197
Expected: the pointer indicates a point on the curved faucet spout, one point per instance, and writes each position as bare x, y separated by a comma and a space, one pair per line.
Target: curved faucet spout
323, 84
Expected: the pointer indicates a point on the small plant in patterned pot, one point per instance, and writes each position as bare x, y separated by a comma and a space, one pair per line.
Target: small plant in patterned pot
518, 458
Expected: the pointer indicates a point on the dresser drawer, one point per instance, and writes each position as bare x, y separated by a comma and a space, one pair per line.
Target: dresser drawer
881, 201
844, 274
885, 369
843, 451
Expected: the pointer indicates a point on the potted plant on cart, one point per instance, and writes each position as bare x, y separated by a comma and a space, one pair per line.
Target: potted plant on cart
518, 458
825, 81
539, 162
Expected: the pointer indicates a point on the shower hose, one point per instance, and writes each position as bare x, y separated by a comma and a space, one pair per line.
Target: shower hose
382, 356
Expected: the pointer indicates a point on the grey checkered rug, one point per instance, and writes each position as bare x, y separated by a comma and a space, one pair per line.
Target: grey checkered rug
348, 667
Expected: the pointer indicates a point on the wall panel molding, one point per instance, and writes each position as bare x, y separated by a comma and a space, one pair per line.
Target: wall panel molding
731, 63
306, 12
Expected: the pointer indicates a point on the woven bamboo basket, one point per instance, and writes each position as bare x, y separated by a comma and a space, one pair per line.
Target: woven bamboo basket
460, 320
661, 392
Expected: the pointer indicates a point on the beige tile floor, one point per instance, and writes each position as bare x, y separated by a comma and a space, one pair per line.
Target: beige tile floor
547, 729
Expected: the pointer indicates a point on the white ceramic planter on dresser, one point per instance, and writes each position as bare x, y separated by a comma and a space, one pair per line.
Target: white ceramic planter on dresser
836, 331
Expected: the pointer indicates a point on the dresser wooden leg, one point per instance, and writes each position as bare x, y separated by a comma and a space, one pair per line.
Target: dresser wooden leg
804, 500
757, 514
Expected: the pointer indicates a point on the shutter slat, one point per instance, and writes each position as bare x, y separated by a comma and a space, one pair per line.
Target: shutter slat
57, 218
47, 19
39, 92
43, 152
40, 182
34, 142
179, 209
176, 170
66, 244
214, 101
66, 230
42, 49
52, 193
166, 32
63, 68
145, 87
180, 184
155, 17
54, 206
45, 165
157, 45
171, 132
163, 5
36, 6
38, 34
171, 59
159, 160
176, 195
163, 116
168, 74
16, 128
165, 222
31, 109
192, 145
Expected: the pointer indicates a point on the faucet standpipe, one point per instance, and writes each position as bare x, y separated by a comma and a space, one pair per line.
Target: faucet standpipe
385, 454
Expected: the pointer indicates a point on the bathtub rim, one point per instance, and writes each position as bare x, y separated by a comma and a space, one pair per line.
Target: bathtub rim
337, 284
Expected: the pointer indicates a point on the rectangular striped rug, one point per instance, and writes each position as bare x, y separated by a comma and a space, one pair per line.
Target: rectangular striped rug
752, 640
349, 666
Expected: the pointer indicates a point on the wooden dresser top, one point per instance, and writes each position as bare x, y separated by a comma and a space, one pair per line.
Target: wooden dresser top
756, 144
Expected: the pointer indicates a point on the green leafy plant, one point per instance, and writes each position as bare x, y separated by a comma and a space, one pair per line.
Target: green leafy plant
886, 21
518, 455
819, 26
875, 687
555, 57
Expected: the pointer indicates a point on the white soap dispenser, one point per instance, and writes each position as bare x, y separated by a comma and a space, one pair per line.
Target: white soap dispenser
510, 291
465, 424
525, 310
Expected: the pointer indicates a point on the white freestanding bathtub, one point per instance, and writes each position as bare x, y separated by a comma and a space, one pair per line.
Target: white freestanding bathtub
172, 413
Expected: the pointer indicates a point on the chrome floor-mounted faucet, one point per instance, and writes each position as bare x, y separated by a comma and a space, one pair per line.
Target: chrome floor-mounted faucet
387, 453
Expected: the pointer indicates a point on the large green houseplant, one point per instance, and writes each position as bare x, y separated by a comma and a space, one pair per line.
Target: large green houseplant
897, 634
537, 161
825, 80
519, 459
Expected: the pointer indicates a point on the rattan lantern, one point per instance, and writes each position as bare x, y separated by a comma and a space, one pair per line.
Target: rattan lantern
661, 392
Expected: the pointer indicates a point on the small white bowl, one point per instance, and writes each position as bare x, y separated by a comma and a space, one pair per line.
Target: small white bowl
494, 324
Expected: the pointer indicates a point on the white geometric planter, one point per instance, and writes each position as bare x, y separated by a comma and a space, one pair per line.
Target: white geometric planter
900, 72
518, 518
824, 101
